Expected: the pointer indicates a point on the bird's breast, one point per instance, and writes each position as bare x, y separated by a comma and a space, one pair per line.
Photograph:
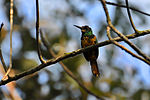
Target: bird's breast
87, 41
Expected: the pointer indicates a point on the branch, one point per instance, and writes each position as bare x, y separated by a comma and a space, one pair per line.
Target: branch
11, 30
130, 18
2, 60
123, 6
60, 58
68, 55
1, 56
131, 44
37, 33
124, 48
121, 35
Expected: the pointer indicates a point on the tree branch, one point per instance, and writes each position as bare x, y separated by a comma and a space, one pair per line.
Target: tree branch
1, 56
11, 30
130, 18
68, 55
121, 35
124, 48
123, 6
37, 33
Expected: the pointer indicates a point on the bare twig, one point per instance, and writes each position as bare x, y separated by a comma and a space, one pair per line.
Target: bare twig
37, 33
2, 60
120, 34
124, 48
1, 56
131, 44
11, 30
130, 18
67, 55
123, 6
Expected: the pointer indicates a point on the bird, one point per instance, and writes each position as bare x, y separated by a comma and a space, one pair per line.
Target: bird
87, 39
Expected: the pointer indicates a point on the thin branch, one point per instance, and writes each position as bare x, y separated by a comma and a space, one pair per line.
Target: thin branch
11, 30
37, 33
131, 44
1, 56
124, 48
2, 60
121, 35
67, 70
123, 6
67, 55
130, 18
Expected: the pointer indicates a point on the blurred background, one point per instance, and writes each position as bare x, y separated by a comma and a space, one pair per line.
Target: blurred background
122, 76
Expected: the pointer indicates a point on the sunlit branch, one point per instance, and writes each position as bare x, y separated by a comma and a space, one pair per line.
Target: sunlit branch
130, 18
123, 6
1, 56
11, 30
68, 55
124, 48
37, 33
71, 54
120, 34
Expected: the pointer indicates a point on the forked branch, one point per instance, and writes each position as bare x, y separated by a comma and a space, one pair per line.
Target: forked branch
130, 18
74, 53
124, 48
124, 6
37, 33
121, 35
1, 56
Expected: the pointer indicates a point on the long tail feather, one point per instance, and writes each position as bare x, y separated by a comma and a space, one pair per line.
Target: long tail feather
94, 68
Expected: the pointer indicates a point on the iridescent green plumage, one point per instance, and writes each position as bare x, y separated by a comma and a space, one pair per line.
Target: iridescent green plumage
87, 39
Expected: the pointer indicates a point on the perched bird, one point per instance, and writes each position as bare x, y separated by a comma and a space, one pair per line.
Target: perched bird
87, 39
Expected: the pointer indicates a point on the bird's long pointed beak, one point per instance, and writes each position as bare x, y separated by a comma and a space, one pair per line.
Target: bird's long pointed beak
78, 26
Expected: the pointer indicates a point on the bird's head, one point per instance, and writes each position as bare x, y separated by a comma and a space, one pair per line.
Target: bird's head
84, 29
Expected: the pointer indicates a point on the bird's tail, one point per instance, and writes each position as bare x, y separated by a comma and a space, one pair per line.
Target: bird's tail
94, 68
